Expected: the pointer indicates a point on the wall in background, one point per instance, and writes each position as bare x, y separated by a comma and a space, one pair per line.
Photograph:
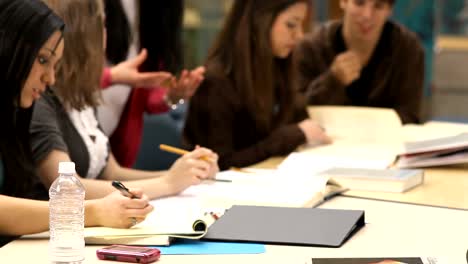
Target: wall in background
446, 90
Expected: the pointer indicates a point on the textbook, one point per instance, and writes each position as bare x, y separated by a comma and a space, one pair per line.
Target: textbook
384, 180
387, 260
149, 232
269, 187
434, 152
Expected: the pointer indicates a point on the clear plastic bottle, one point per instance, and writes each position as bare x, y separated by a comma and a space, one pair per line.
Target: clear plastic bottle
66, 216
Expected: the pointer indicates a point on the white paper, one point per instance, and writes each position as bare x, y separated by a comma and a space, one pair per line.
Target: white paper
358, 124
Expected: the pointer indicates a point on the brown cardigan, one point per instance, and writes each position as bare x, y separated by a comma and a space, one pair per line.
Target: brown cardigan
393, 78
218, 119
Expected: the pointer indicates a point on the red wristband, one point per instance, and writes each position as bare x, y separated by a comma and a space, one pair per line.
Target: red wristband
106, 78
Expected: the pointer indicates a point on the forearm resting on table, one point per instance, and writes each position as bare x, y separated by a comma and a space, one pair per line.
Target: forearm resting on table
23, 216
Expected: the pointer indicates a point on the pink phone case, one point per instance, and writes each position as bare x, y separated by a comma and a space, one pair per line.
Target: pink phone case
129, 254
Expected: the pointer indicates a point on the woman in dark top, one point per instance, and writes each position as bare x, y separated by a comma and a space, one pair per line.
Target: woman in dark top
364, 60
31, 44
247, 108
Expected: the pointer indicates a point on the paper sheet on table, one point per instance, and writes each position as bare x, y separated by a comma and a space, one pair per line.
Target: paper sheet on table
307, 164
358, 124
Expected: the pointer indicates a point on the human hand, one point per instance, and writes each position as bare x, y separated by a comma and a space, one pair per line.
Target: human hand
346, 67
186, 85
314, 132
191, 169
213, 159
116, 210
127, 73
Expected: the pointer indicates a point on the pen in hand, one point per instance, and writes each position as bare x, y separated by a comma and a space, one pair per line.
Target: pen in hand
124, 190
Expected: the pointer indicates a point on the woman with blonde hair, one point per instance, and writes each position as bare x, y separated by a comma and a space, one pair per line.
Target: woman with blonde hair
65, 127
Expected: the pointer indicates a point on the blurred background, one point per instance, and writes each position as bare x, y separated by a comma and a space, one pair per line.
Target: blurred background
442, 26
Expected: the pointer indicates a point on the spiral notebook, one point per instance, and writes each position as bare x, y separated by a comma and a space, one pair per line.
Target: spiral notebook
150, 232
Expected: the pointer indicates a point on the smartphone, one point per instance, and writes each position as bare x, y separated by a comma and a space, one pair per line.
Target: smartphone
129, 254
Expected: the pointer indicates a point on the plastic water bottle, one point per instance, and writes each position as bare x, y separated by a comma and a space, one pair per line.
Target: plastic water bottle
66, 219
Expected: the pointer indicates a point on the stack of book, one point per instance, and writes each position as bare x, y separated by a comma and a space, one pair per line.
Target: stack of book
382, 180
434, 152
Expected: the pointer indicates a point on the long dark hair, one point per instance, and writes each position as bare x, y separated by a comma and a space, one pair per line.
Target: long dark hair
243, 53
119, 34
25, 25
160, 32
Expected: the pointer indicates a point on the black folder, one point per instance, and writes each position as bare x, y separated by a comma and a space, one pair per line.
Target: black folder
286, 226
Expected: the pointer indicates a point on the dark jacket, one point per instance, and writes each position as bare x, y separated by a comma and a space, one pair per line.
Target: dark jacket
3, 239
219, 119
393, 77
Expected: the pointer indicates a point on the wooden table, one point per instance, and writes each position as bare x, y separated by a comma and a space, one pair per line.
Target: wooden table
444, 186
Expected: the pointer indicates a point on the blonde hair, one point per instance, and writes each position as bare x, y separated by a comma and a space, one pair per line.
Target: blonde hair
79, 76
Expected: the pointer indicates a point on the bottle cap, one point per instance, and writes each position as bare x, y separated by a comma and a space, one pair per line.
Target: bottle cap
66, 167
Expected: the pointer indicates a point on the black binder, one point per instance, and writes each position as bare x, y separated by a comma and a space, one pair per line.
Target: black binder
286, 226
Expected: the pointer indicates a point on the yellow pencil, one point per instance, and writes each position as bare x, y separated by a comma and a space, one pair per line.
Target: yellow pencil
180, 151
183, 152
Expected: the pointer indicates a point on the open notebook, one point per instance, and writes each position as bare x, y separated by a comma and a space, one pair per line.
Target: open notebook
173, 217
268, 187
147, 234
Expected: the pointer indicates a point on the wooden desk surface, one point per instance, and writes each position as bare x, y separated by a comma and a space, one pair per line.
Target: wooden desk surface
392, 229
444, 186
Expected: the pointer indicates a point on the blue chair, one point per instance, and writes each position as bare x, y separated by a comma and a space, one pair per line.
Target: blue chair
160, 129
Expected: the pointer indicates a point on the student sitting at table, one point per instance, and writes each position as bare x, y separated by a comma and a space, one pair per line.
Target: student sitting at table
64, 125
363, 60
31, 45
247, 109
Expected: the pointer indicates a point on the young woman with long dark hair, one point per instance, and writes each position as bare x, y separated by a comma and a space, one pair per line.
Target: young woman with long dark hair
248, 109
31, 45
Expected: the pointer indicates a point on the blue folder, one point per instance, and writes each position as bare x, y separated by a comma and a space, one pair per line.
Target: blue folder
196, 247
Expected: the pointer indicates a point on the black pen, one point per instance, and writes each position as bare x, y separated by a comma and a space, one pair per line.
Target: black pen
124, 190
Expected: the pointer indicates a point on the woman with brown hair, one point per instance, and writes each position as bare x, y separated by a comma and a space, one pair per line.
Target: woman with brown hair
247, 108
65, 127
